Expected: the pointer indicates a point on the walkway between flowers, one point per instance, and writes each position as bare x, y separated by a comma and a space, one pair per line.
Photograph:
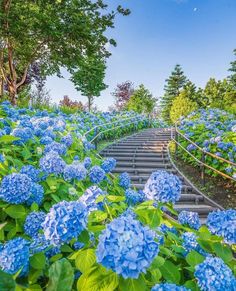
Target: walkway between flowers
145, 152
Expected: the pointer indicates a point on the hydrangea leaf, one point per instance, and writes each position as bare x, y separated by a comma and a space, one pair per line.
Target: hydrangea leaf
61, 274
170, 272
16, 211
132, 284
8, 139
7, 282
114, 198
38, 261
223, 251
194, 258
192, 285
85, 259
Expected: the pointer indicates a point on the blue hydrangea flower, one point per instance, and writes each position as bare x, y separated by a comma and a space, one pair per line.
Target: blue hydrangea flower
14, 255
46, 140
56, 147
89, 198
24, 134
189, 218
38, 244
163, 228
53, 251
87, 162
168, 287
127, 247
52, 163
36, 195
67, 140
75, 171
65, 220
163, 187
78, 245
2, 159
15, 188
134, 197
214, 274
88, 146
33, 223
124, 180
223, 223
108, 165
31, 172
190, 243
96, 174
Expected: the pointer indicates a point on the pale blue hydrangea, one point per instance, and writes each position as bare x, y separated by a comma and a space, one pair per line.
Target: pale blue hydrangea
127, 247
134, 197
108, 165
24, 135
36, 195
163, 187
56, 147
38, 244
223, 223
88, 146
52, 163
15, 188
78, 245
189, 218
2, 159
15, 256
89, 198
52, 251
190, 243
163, 228
65, 221
87, 162
168, 287
67, 140
46, 140
33, 223
214, 274
96, 174
75, 171
124, 180
32, 172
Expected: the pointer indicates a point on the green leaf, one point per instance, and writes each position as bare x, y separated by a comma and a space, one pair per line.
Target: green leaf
16, 211
85, 259
97, 216
191, 285
223, 251
7, 283
170, 272
114, 198
157, 262
61, 276
194, 258
98, 279
132, 284
38, 261
8, 138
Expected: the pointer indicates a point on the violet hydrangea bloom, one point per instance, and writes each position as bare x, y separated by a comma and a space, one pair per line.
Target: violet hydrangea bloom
214, 274
163, 187
127, 247
65, 221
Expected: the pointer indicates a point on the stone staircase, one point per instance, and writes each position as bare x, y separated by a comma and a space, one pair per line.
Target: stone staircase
145, 152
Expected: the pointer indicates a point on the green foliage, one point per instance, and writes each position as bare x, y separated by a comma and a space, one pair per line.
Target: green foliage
181, 107
141, 101
172, 89
232, 69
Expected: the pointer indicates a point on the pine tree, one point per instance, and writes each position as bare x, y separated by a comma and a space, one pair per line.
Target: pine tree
232, 69
173, 86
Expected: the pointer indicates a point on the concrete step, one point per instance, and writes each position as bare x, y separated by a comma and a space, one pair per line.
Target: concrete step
132, 159
136, 154
143, 165
200, 208
185, 188
133, 150
118, 147
138, 171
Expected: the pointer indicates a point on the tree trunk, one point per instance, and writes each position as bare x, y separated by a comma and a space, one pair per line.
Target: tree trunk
90, 98
1, 88
13, 93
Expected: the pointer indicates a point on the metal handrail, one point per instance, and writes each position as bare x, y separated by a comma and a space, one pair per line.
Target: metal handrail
201, 162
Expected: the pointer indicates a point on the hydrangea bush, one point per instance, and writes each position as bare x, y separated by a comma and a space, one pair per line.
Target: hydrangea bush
213, 130
66, 221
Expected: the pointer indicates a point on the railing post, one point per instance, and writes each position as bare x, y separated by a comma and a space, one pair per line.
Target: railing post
176, 137
203, 168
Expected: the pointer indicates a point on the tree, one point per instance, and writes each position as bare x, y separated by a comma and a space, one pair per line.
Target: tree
172, 89
67, 102
58, 33
89, 78
122, 94
232, 69
182, 106
141, 101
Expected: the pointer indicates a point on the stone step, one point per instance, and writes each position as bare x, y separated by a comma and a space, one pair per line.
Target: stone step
185, 188
143, 165
143, 178
136, 154
138, 171
200, 208
132, 150
132, 159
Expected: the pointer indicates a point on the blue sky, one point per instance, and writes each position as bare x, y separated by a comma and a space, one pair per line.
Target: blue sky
198, 34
